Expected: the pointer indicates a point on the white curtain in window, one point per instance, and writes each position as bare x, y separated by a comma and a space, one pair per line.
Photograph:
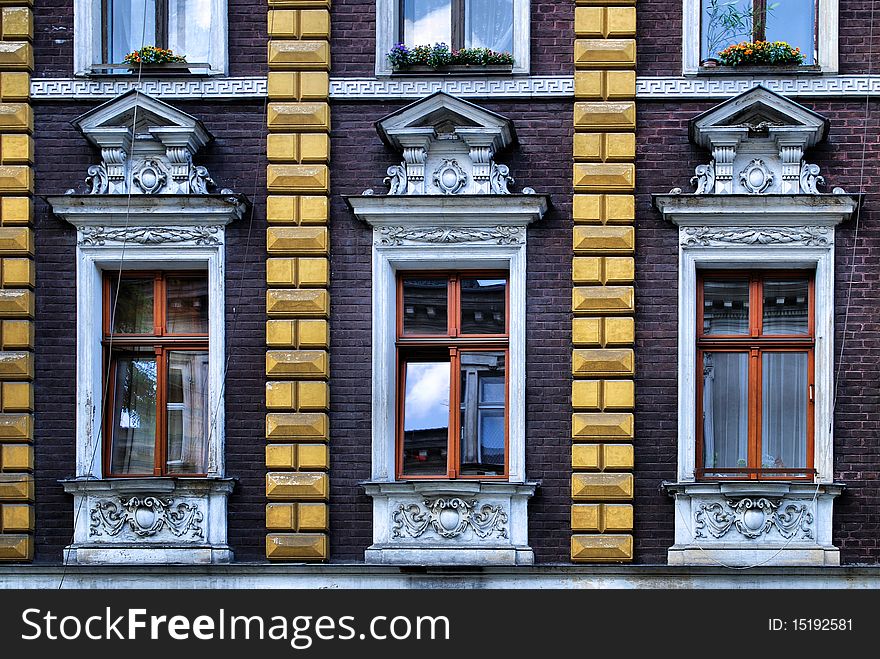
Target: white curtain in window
130, 24
784, 410
725, 410
189, 29
489, 24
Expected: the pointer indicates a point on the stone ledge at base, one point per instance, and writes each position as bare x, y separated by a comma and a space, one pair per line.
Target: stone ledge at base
737, 556
402, 555
140, 555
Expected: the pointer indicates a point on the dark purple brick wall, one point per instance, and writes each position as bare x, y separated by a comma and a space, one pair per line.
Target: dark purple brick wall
235, 160
53, 37
353, 37
665, 160
542, 161
659, 38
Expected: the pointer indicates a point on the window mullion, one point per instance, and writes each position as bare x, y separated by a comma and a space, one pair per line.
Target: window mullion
458, 17
759, 20
161, 411
454, 450
755, 393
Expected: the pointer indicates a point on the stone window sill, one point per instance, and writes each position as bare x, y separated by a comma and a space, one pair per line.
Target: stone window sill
759, 70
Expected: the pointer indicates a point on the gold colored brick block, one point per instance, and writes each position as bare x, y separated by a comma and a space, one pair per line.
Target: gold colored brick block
604, 239
16, 487
297, 302
18, 272
16, 55
16, 365
17, 334
297, 363
602, 332
620, 22
603, 208
16, 427
290, 178
299, 85
312, 55
602, 3
301, 426
297, 517
604, 426
313, 516
16, 117
15, 210
297, 333
586, 457
598, 22
17, 396
16, 179
17, 23
601, 548
602, 299
606, 115
619, 269
602, 362
617, 456
586, 394
297, 240
601, 486
17, 518
298, 116
16, 149
589, 85
299, 24
16, 241
15, 547
602, 517
16, 457
587, 270
301, 4
281, 516
602, 394
602, 457
15, 86
296, 210
297, 456
604, 147
589, 22
588, 146
604, 176
296, 546
619, 332
304, 395
620, 85
298, 147
297, 485
587, 331
304, 272
592, 53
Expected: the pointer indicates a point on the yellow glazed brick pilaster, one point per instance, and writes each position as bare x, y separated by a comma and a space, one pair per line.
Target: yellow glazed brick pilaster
16, 282
298, 280
603, 277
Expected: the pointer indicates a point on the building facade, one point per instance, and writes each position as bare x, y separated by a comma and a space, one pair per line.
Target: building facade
296, 312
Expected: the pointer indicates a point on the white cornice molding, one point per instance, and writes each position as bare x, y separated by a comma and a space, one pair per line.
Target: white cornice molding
711, 87
411, 87
57, 89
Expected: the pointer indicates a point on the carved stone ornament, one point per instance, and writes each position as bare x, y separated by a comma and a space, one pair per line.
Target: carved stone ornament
704, 179
145, 517
810, 178
398, 235
150, 176
200, 235
449, 518
756, 177
807, 236
449, 177
753, 517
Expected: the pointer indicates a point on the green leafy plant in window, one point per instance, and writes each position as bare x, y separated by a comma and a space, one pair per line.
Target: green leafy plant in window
730, 21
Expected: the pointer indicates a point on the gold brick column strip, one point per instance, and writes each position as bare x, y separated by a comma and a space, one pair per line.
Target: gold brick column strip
297, 274
16, 283
603, 274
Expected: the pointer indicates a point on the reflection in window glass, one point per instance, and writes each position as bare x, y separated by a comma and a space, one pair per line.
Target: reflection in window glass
187, 407
725, 307
786, 307
133, 441
483, 303
134, 309
424, 306
794, 21
489, 24
129, 25
189, 29
187, 311
427, 22
784, 410
725, 410
426, 418
483, 399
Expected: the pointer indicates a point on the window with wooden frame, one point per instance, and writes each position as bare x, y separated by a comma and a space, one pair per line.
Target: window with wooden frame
755, 342
452, 384
792, 21
458, 23
155, 338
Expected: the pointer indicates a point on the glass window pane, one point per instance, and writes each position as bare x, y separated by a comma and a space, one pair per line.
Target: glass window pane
724, 22
189, 29
134, 310
426, 22
424, 306
133, 439
489, 24
187, 405
483, 304
426, 418
483, 413
130, 25
725, 410
786, 307
725, 307
793, 21
784, 410
187, 311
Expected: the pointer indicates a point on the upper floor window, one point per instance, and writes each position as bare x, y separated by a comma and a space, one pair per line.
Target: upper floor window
458, 23
452, 355
755, 339
156, 343
108, 30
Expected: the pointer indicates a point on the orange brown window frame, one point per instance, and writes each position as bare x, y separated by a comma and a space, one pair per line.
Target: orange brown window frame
756, 344
115, 344
454, 343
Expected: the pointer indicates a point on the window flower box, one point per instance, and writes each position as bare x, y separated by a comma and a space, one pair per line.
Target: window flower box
440, 60
454, 69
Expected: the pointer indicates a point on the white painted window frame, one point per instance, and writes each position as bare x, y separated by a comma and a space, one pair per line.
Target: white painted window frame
84, 44
388, 20
387, 262
828, 58
764, 257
